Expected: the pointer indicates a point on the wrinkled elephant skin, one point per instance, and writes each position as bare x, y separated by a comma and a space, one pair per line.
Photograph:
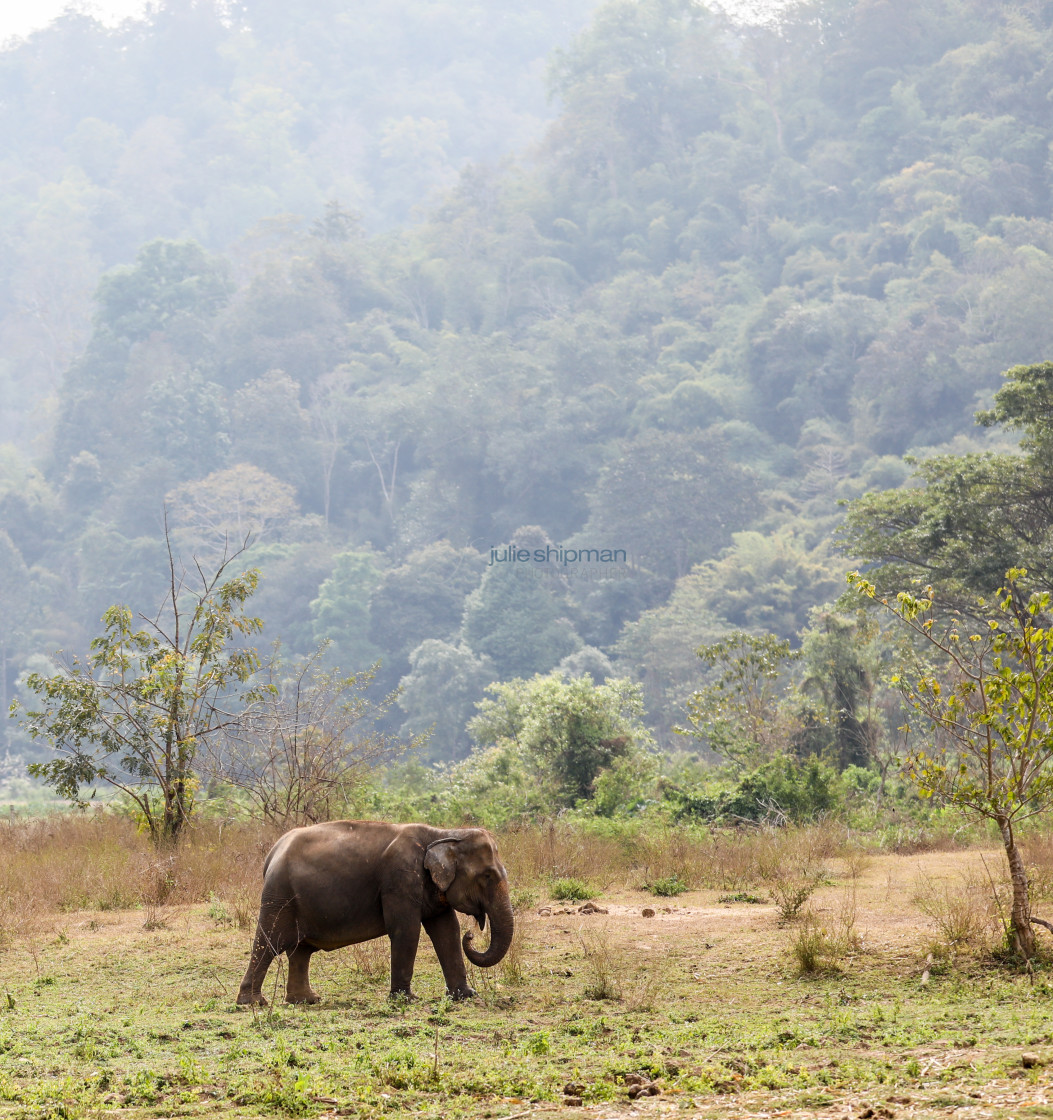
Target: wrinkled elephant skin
330, 885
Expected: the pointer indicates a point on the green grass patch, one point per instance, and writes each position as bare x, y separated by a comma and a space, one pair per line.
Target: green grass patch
571, 890
668, 887
154, 1030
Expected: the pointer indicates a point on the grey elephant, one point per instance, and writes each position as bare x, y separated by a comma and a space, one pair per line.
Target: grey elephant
335, 884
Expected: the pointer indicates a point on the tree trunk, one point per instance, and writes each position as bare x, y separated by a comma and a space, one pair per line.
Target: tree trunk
1022, 936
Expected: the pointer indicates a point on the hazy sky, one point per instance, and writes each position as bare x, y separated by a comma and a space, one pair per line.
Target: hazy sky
19, 17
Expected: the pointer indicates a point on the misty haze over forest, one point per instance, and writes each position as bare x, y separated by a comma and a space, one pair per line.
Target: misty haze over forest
405, 290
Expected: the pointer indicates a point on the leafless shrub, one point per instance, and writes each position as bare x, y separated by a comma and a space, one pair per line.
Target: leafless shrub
604, 970
856, 862
818, 944
306, 744
964, 913
154, 918
371, 959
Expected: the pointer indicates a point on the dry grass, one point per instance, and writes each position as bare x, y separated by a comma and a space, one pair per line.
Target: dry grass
514, 966
1038, 852
557, 850
965, 913
100, 862
372, 959
603, 968
793, 864
819, 943
725, 861
675, 854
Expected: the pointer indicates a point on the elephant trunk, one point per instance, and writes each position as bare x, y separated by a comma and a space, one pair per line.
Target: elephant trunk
502, 926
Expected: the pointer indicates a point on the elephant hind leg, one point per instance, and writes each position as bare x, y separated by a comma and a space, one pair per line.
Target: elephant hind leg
270, 940
298, 989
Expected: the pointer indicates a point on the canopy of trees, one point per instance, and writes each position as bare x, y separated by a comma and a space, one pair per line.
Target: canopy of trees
277, 269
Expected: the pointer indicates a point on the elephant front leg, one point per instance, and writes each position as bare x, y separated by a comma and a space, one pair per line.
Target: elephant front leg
298, 989
404, 941
445, 933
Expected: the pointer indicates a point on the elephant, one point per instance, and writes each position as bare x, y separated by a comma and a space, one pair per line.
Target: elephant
342, 882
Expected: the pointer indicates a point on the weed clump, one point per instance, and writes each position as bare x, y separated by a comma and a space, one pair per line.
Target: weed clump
571, 890
819, 946
523, 898
603, 970
791, 865
669, 887
965, 915
815, 949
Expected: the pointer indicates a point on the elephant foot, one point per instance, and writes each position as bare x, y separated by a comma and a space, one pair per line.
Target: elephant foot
310, 996
251, 999
403, 994
461, 993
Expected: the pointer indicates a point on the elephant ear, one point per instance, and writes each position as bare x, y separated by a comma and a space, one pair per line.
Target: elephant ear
440, 863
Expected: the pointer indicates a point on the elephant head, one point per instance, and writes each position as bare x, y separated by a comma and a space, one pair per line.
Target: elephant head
466, 868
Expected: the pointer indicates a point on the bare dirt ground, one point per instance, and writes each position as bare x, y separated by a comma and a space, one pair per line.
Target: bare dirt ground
882, 892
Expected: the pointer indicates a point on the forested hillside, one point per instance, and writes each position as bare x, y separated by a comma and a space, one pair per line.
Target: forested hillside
741, 273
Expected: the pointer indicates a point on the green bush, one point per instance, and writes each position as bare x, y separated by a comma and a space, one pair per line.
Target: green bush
668, 887
571, 890
795, 791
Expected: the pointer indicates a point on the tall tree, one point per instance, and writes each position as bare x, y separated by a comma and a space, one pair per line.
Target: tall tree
973, 516
671, 500
135, 713
518, 617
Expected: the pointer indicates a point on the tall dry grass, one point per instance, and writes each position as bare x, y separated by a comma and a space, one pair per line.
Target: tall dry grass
718, 861
967, 914
560, 850
818, 944
101, 862
1038, 853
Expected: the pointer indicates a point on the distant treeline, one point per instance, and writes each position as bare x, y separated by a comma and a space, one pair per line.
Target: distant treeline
746, 270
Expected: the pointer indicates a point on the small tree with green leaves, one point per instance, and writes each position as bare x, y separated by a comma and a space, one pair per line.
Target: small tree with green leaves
136, 712
987, 695
568, 732
736, 713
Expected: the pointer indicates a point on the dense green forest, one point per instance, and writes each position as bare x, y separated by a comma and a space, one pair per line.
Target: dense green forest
553, 337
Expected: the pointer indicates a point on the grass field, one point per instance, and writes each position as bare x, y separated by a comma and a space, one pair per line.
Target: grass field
877, 1000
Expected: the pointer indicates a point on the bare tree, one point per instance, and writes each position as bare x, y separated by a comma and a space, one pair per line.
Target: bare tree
307, 744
